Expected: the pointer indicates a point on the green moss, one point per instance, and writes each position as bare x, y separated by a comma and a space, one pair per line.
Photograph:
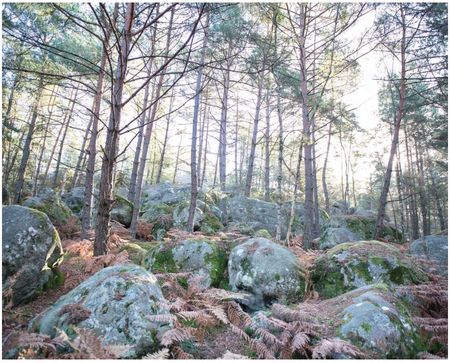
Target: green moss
135, 252
183, 282
362, 270
405, 275
263, 233
218, 261
163, 260
210, 224
277, 277
366, 327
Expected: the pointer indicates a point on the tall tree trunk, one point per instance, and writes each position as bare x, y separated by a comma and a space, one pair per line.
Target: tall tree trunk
166, 137
198, 92
147, 136
44, 140
440, 211
308, 157
267, 151
205, 153
236, 138
177, 161
411, 190
223, 123
112, 136
387, 178
324, 171
296, 187
81, 155
92, 150
27, 145
63, 139
280, 164
423, 200
251, 159
137, 154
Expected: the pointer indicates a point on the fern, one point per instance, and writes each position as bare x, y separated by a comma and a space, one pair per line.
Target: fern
160, 354
177, 335
335, 345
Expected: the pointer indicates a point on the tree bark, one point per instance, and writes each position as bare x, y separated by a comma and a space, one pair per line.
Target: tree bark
267, 151
112, 136
198, 92
166, 137
387, 178
147, 136
27, 145
92, 151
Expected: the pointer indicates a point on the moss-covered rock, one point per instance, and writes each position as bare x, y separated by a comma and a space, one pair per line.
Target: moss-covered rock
135, 252
365, 226
152, 213
263, 233
268, 271
49, 202
375, 321
351, 265
122, 210
74, 199
117, 303
334, 236
201, 257
31, 252
210, 224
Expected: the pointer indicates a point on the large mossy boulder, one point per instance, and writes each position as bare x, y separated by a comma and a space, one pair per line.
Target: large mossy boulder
50, 203
203, 258
334, 236
355, 264
433, 248
31, 252
117, 303
164, 193
74, 199
374, 320
268, 271
364, 227
122, 210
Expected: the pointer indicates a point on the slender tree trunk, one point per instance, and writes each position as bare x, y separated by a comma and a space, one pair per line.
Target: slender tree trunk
147, 136
296, 187
236, 138
92, 151
202, 179
412, 192
137, 154
267, 151
44, 140
387, 178
81, 155
198, 92
166, 137
61, 145
280, 164
223, 123
423, 200
324, 171
251, 159
27, 145
177, 160
112, 136
440, 211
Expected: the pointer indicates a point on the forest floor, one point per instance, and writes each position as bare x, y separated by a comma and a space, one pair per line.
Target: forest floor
79, 264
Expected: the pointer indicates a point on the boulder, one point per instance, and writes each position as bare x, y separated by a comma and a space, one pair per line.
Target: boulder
257, 214
181, 214
364, 226
334, 236
31, 252
270, 272
355, 264
74, 199
433, 248
122, 210
201, 257
164, 193
50, 203
375, 321
117, 304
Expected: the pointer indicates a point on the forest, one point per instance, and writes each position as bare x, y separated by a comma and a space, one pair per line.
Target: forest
224, 180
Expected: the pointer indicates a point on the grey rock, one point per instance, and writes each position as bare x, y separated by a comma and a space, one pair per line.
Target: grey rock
31, 248
120, 301
433, 248
372, 322
49, 202
74, 199
334, 236
122, 210
181, 216
268, 271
